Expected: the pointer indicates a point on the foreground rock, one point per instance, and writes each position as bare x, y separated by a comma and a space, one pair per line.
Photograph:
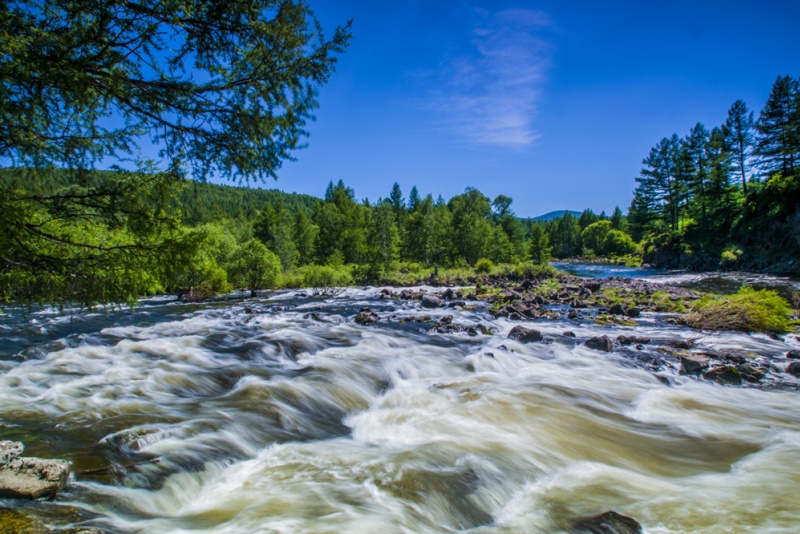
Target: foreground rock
366, 316
29, 478
602, 343
525, 335
607, 523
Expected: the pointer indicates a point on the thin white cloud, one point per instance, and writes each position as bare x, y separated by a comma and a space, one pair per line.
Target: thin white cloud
489, 96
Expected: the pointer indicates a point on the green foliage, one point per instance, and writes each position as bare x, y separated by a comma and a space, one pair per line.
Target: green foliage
594, 235
748, 311
255, 267
229, 94
618, 243
325, 279
701, 190
540, 248
484, 266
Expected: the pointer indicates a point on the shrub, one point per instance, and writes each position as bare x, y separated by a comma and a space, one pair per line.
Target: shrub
748, 311
484, 266
729, 257
324, 279
617, 243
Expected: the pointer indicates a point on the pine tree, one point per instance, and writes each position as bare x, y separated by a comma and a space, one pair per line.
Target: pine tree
413, 200
739, 137
778, 139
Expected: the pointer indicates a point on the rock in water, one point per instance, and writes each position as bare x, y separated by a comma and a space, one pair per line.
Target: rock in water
429, 301
29, 478
693, 363
607, 523
366, 316
525, 335
599, 343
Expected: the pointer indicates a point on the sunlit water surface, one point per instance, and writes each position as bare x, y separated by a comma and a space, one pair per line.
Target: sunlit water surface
284, 415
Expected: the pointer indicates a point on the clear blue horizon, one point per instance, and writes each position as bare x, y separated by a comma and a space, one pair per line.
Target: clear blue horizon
553, 103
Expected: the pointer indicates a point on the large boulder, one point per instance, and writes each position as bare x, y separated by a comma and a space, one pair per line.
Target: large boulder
607, 523
693, 363
599, 343
29, 478
525, 335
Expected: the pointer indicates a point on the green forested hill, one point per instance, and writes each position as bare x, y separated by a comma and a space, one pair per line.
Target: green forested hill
199, 202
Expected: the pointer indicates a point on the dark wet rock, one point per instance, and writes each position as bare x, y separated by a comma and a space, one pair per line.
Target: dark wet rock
599, 343
457, 304
366, 316
693, 364
510, 294
633, 313
525, 335
430, 301
572, 314
680, 344
447, 319
448, 293
472, 331
793, 354
750, 372
726, 375
626, 340
592, 286
568, 333
29, 478
793, 369
423, 319
607, 523
526, 284
616, 309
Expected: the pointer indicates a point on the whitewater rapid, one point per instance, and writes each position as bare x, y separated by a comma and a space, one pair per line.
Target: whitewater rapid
281, 414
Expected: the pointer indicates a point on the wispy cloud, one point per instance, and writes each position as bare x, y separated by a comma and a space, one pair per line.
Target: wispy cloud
489, 96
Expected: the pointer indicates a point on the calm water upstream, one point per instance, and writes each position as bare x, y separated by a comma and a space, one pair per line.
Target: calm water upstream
284, 415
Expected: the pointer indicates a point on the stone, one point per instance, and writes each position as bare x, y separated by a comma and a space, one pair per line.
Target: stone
366, 316
592, 286
10, 450
633, 313
430, 301
793, 369
793, 354
33, 478
616, 309
607, 523
568, 333
599, 343
725, 375
525, 335
692, 364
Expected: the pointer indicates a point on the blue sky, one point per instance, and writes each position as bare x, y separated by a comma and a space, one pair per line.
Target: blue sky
553, 103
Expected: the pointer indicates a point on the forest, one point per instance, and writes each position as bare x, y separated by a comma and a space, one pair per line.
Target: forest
720, 199
725, 198
208, 238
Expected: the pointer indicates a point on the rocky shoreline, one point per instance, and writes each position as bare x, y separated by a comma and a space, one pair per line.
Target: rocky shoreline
620, 301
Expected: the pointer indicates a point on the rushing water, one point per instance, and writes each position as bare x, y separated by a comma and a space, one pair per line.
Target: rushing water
284, 415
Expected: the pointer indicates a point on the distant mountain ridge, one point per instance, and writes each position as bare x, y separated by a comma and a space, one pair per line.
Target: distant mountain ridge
549, 216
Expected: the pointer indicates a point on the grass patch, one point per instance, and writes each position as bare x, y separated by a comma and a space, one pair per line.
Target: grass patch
747, 311
663, 303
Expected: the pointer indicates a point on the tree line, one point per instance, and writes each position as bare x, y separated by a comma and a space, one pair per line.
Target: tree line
728, 195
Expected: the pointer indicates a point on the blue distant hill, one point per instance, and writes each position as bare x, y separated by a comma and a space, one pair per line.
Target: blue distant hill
555, 215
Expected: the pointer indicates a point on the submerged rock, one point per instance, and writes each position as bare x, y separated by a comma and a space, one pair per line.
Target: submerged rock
599, 343
607, 523
29, 478
525, 335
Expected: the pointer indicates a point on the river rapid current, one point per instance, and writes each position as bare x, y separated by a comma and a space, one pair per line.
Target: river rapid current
282, 414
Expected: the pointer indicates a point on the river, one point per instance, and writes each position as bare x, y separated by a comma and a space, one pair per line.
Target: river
282, 415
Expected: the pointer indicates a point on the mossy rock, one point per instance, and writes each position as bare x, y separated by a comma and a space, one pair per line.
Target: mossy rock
20, 523
746, 311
